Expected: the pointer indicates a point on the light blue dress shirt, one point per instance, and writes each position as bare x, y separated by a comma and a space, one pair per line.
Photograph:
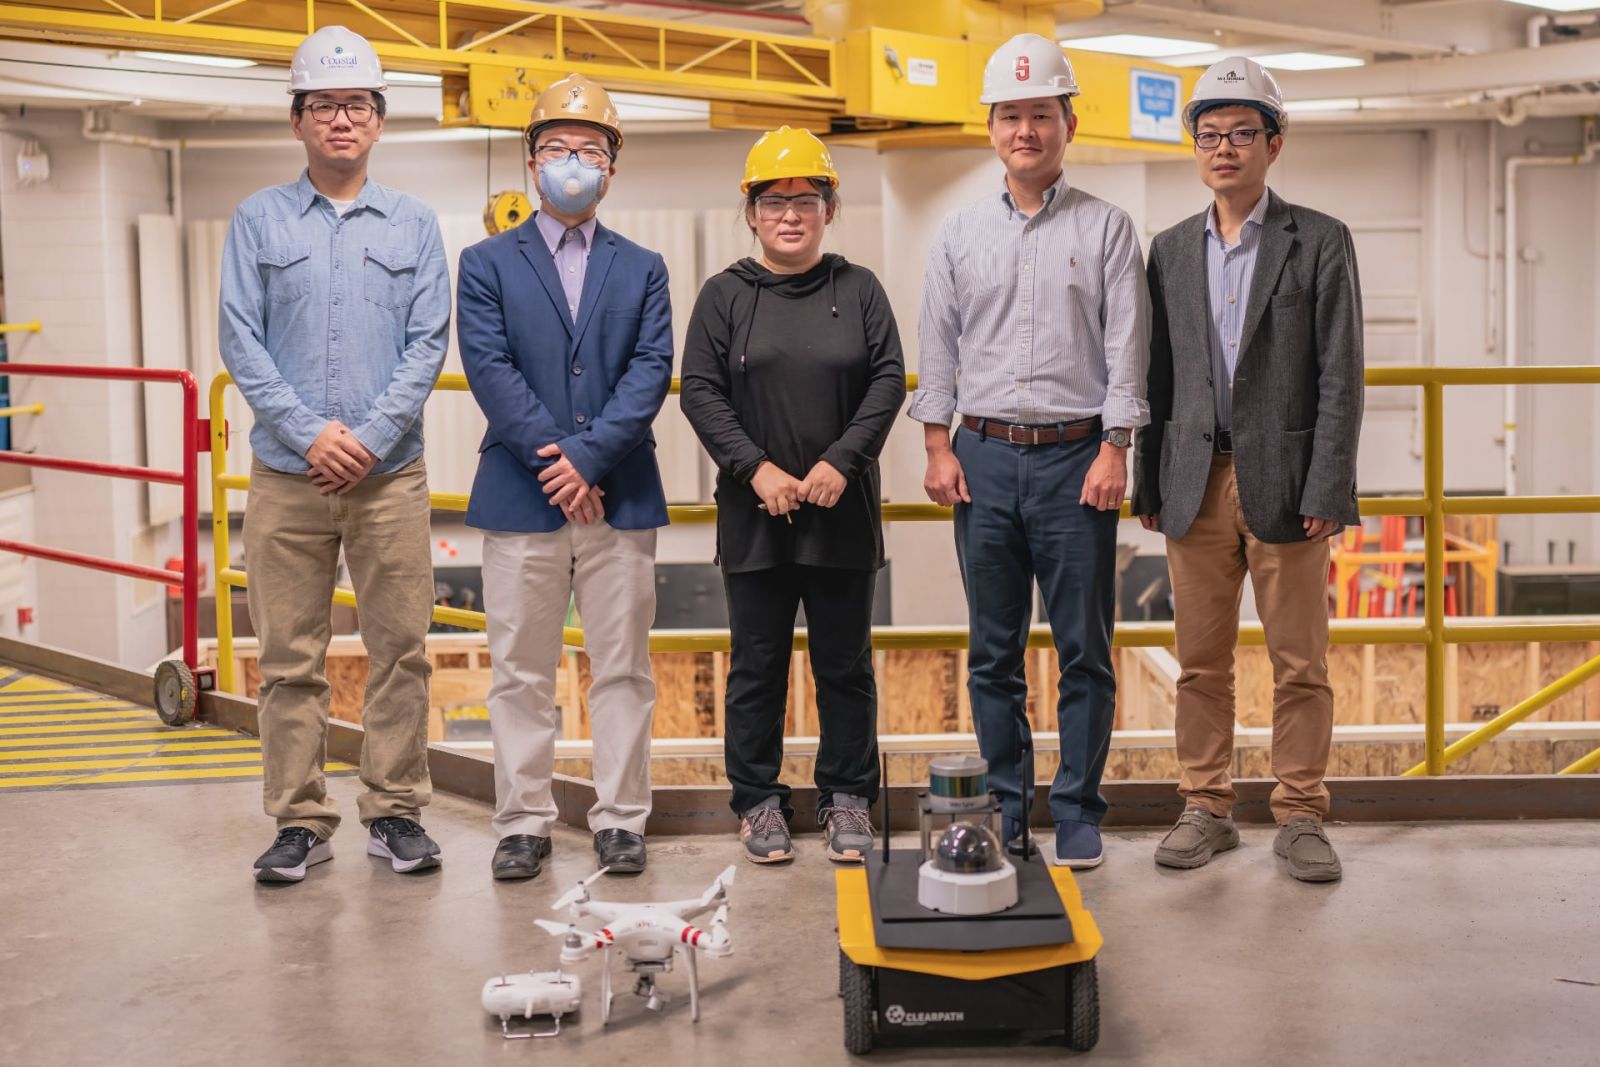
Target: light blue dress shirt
1229, 271
570, 251
327, 317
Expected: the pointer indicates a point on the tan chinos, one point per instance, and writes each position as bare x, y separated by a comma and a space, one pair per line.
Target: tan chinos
1208, 565
292, 538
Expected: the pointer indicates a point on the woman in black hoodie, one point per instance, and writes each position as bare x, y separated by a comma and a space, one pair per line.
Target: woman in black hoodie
792, 377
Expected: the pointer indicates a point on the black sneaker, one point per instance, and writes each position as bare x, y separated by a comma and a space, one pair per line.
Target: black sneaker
404, 843
294, 849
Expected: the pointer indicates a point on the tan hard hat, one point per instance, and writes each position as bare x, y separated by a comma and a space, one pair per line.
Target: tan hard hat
575, 98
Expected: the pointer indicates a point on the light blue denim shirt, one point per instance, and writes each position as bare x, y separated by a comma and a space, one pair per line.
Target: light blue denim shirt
326, 318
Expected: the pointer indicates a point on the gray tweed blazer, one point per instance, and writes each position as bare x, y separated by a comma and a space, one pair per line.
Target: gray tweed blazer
1297, 390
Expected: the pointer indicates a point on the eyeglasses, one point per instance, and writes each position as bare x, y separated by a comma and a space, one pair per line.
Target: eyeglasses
560, 153
1238, 138
772, 207
324, 112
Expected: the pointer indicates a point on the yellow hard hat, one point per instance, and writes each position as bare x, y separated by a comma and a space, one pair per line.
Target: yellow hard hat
575, 98
788, 153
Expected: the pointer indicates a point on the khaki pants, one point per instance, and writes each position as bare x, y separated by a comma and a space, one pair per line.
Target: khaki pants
1208, 565
527, 581
292, 537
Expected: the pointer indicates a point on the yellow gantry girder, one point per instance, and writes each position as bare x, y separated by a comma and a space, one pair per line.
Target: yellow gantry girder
912, 80
495, 50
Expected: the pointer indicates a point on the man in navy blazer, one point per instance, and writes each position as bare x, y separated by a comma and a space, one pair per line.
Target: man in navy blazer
565, 333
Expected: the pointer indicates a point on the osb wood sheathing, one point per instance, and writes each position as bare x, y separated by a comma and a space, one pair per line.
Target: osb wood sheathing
923, 691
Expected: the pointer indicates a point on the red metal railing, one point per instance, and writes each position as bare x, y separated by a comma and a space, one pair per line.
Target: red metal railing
196, 437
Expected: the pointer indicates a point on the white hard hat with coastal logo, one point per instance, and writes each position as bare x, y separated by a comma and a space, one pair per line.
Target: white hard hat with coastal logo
1236, 80
335, 58
1027, 67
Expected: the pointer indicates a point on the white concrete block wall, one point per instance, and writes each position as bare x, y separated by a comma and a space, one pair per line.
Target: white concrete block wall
69, 256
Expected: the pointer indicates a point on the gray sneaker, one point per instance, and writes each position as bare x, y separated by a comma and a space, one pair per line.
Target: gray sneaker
847, 828
1305, 845
765, 834
1197, 837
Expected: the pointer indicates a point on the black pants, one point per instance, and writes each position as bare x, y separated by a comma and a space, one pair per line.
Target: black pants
761, 616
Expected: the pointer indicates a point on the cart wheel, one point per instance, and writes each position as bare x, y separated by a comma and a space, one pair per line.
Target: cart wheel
176, 694
1083, 1007
856, 987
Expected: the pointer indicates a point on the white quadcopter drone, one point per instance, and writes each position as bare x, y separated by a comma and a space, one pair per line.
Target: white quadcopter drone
647, 935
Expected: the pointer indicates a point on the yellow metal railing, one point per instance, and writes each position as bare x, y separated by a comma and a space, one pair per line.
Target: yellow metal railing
1432, 631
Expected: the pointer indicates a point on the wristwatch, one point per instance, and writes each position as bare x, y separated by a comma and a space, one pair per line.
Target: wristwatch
1117, 438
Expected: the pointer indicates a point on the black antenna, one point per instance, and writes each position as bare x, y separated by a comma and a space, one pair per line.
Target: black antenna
885, 788
1025, 758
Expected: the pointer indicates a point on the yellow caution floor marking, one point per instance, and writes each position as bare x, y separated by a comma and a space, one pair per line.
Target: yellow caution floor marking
133, 735
73, 727
115, 777
127, 761
56, 736
126, 750
78, 716
35, 707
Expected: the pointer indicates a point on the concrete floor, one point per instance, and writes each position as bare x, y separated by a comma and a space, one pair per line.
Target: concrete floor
131, 933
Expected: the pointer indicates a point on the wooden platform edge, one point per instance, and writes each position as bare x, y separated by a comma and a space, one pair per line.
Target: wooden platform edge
701, 810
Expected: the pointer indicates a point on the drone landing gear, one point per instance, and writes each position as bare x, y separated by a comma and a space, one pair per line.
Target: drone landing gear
655, 998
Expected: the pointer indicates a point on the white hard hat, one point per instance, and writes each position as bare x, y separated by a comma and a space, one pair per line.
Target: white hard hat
1026, 67
1236, 80
335, 58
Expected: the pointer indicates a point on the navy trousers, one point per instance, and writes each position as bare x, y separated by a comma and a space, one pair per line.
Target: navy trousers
1025, 524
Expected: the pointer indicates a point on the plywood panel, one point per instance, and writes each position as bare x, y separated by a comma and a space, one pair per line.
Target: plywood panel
917, 691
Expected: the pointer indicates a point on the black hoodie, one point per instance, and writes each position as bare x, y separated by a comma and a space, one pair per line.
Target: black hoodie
794, 368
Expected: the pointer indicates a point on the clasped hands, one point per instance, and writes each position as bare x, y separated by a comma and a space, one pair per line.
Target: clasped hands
782, 493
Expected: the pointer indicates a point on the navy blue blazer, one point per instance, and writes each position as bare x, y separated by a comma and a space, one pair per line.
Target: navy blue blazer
593, 387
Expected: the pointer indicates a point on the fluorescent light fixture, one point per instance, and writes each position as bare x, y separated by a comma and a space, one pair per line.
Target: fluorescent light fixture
1138, 44
1560, 5
1335, 103
1308, 61
403, 77
230, 62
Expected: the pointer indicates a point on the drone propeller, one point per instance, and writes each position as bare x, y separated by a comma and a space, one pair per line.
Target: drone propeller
579, 893
719, 944
555, 929
717, 890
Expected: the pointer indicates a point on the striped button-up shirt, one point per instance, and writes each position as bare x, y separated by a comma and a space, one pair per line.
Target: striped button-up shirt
1229, 271
1035, 320
570, 250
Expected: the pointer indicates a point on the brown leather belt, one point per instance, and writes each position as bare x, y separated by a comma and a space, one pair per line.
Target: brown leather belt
1054, 433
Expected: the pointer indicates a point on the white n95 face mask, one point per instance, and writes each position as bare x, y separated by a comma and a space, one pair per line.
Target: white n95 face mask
571, 186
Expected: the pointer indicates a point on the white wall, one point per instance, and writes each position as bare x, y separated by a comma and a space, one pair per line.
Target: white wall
71, 263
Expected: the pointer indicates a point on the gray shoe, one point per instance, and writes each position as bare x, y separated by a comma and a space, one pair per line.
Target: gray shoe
765, 834
1305, 845
1197, 837
847, 828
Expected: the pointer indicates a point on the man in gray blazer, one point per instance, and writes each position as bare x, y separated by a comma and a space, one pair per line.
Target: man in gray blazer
1248, 465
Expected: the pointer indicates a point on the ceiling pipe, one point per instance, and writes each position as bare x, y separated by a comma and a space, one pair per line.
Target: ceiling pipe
711, 9
1537, 24
93, 131
1513, 265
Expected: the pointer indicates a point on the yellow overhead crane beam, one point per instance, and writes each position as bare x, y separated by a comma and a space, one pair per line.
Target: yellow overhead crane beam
888, 73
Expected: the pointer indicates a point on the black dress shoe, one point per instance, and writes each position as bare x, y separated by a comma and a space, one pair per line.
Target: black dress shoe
519, 856
620, 850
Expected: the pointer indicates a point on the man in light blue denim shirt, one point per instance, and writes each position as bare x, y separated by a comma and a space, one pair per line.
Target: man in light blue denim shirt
334, 321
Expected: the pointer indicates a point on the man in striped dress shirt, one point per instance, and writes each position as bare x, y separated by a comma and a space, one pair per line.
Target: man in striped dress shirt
1034, 328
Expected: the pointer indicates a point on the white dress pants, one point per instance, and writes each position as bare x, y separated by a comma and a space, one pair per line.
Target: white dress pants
527, 580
